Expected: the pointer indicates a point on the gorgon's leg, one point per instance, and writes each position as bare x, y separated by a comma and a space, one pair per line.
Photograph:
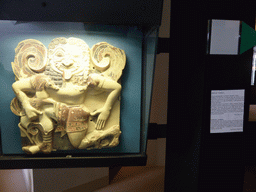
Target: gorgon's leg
47, 125
75, 138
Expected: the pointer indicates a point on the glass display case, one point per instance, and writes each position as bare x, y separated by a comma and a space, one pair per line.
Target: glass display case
135, 39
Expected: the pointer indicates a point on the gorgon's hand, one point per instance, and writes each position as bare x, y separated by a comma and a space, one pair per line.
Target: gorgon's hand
31, 112
102, 118
51, 85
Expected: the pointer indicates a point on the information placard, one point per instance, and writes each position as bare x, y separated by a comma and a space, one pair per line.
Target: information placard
224, 37
227, 111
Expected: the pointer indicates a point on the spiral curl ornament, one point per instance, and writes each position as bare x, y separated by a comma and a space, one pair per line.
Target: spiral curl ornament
109, 60
30, 58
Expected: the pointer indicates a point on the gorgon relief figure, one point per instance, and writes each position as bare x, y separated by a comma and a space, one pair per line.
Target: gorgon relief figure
68, 89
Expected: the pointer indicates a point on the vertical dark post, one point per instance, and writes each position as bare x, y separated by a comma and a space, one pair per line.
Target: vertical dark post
186, 82
195, 159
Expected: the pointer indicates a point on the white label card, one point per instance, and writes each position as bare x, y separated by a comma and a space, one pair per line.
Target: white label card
227, 111
224, 37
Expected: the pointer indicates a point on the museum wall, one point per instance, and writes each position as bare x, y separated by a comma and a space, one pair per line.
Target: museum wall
46, 180
12, 181
160, 90
156, 148
160, 87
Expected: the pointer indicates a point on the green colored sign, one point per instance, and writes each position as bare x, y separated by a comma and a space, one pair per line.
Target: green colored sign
248, 38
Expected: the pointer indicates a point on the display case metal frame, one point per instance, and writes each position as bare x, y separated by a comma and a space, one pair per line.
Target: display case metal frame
144, 14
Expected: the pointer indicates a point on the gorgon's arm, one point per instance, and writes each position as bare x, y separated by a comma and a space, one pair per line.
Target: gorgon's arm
20, 88
112, 86
115, 89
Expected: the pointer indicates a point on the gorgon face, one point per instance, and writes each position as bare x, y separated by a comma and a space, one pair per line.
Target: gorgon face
69, 59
